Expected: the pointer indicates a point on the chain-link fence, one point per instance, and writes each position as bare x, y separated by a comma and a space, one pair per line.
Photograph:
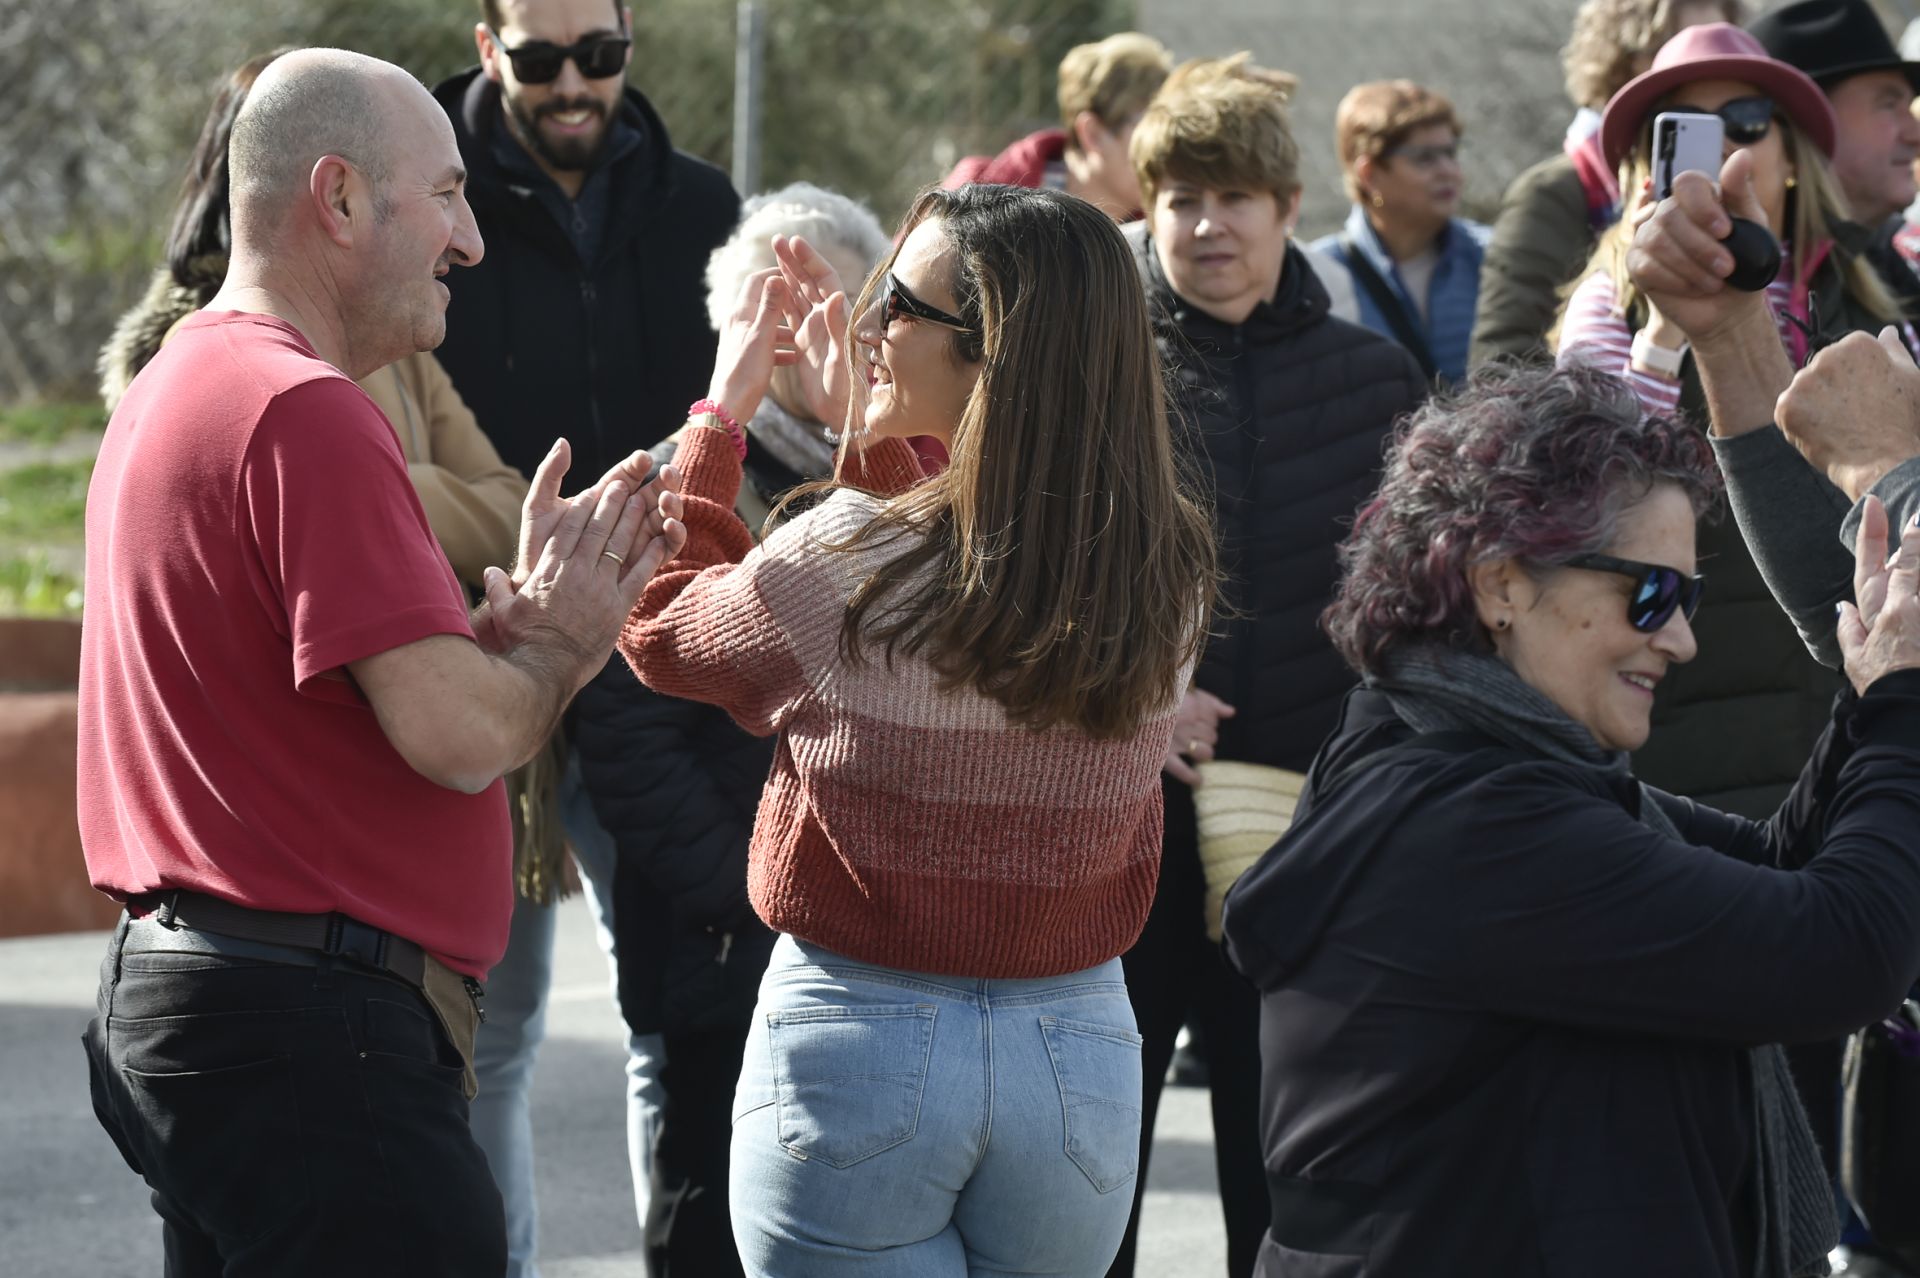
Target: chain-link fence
100, 101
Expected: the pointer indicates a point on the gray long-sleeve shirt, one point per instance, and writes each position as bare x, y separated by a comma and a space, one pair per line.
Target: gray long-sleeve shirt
1801, 528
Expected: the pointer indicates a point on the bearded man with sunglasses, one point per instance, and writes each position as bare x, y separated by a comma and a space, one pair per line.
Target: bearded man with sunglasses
588, 319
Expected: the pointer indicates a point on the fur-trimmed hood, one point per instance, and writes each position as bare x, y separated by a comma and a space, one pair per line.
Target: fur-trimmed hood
139, 333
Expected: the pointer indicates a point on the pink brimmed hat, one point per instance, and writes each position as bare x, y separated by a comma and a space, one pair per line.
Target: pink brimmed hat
1716, 51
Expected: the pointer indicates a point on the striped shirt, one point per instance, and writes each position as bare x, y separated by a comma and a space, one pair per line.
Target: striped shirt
904, 823
1595, 333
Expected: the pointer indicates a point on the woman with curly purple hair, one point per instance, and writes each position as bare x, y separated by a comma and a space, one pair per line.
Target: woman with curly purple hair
1519, 1011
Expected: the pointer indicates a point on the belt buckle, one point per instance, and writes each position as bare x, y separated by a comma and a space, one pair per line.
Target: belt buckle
348, 938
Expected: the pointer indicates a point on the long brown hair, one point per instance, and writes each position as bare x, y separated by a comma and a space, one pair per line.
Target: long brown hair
201, 234
1058, 565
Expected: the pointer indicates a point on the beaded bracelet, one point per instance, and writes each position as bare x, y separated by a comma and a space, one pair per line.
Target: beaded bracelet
712, 408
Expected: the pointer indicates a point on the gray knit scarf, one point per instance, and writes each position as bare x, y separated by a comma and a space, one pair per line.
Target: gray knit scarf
1437, 689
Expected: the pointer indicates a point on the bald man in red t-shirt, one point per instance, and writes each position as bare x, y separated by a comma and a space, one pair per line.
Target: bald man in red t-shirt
291, 731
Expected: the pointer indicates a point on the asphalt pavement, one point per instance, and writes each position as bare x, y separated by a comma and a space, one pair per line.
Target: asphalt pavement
69, 1208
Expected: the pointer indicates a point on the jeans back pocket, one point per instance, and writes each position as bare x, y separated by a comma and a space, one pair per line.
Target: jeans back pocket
229, 1190
1098, 1070
848, 1080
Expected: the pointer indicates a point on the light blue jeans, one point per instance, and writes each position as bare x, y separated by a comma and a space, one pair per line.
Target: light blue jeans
893, 1123
509, 1041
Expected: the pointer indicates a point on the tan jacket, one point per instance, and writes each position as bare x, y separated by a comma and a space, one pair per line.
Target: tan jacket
472, 498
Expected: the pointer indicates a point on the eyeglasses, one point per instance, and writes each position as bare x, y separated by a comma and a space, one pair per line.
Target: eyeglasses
1660, 591
1426, 157
538, 62
897, 303
1746, 119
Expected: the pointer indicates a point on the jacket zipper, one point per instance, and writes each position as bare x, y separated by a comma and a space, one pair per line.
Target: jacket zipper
1246, 414
588, 296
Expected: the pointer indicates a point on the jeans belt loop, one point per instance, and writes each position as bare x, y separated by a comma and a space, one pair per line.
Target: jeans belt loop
336, 932
169, 910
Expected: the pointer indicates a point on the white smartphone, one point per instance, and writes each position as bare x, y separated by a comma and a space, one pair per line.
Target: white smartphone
1685, 142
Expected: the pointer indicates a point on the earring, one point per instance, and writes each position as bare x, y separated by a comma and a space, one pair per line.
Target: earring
1502, 624
1792, 181
1377, 202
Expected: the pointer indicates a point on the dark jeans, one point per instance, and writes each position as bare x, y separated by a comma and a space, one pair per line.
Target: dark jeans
290, 1120
689, 1232
1176, 976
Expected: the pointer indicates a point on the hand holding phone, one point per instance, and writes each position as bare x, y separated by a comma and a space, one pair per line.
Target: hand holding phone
1693, 142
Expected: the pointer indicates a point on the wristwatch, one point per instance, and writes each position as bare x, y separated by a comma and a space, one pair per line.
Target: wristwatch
1646, 357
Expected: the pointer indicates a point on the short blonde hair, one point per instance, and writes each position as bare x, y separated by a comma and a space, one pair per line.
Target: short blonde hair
1376, 117
1114, 78
1612, 37
1219, 123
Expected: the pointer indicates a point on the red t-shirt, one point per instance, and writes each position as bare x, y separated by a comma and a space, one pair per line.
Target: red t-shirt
250, 530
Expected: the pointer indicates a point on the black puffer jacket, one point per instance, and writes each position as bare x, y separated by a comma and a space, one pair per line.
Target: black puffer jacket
677, 784
1286, 417
608, 353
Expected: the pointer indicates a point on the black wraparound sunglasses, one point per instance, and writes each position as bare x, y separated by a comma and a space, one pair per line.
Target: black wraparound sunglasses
1659, 591
539, 62
897, 303
1746, 119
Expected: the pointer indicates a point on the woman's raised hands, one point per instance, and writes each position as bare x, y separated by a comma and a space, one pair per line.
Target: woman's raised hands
1881, 633
755, 340
819, 316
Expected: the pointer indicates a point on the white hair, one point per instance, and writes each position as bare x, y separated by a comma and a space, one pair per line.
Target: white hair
831, 222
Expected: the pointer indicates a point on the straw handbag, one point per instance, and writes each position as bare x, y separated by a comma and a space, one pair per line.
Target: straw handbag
1243, 809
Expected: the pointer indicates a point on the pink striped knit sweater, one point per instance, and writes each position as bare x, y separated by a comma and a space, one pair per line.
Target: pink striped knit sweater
901, 825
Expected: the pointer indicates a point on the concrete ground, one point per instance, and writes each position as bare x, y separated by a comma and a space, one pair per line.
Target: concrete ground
69, 1208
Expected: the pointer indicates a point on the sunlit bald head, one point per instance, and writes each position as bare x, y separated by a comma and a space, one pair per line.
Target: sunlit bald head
308, 104
349, 204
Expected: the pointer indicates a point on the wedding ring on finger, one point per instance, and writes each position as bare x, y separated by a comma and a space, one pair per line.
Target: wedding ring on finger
608, 554
1193, 746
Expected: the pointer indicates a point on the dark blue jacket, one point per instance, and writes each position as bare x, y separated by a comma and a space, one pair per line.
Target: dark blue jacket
1504, 1023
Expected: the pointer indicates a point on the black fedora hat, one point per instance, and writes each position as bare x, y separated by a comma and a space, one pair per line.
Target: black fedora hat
1831, 40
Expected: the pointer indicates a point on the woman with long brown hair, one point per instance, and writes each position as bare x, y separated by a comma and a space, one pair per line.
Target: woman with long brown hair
973, 680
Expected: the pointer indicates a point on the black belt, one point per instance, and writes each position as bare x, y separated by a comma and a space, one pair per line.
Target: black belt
321, 935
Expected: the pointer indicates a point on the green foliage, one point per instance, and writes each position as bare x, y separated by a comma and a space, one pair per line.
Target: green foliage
31, 586
45, 501
876, 98
46, 423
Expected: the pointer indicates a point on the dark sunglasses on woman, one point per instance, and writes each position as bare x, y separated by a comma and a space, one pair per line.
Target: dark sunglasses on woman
538, 62
1658, 592
897, 303
1746, 119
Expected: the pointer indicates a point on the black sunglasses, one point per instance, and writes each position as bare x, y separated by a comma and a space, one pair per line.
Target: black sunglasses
1660, 591
1746, 119
538, 62
897, 303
